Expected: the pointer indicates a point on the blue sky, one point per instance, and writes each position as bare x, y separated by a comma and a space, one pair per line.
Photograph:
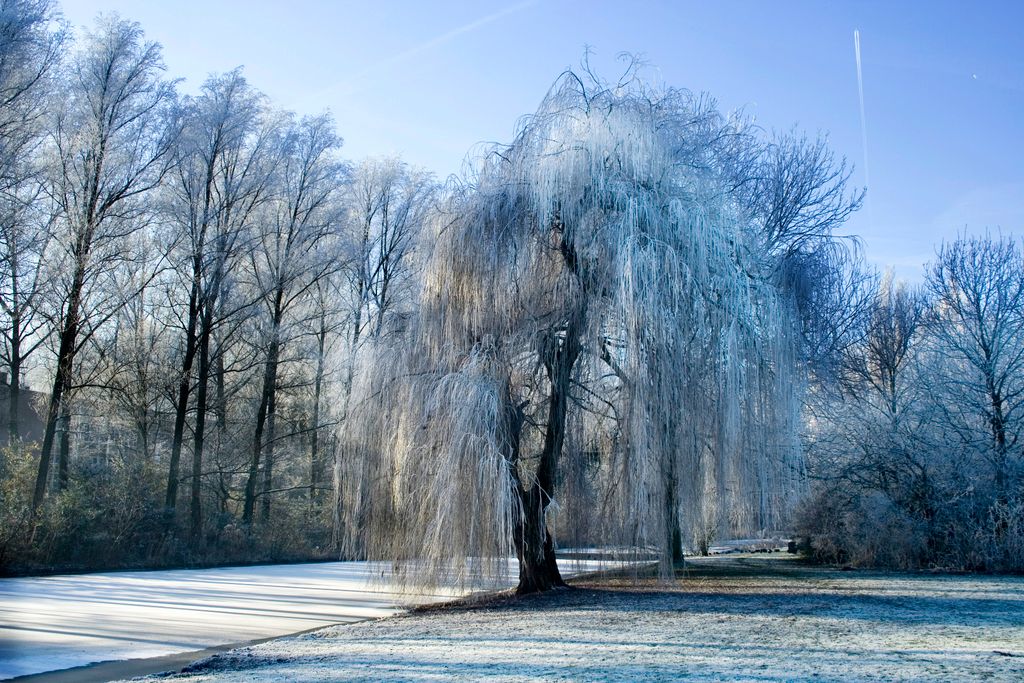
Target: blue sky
943, 82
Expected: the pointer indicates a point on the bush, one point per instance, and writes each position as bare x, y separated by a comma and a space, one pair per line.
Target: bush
864, 528
113, 518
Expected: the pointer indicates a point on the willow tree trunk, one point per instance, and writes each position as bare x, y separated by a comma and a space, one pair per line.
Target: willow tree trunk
535, 547
674, 537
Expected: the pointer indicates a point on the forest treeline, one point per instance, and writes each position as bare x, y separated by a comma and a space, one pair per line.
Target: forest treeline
180, 271
915, 453
637, 324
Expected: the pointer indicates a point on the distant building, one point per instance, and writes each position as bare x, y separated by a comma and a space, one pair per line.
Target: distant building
98, 435
30, 423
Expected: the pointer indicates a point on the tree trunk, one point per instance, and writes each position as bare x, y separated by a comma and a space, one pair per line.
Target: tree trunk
195, 506
674, 537
264, 418
222, 401
61, 379
184, 388
998, 425
14, 391
141, 434
268, 457
314, 437
535, 549
221, 409
338, 499
64, 453
254, 461
538, 568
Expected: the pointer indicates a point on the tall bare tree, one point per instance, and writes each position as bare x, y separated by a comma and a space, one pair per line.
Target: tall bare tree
220, 178
388, 204
798, 192
978, 285
296, 251
112, 137
329, 325
30, 48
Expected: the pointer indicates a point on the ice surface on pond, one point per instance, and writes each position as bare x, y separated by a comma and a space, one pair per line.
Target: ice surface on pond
58, 622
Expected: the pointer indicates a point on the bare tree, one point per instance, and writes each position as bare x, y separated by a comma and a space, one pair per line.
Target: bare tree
30, 47
831, 291
138, 372
112, 138
978, 285
329, 325
388, 204
797, 192
876, 420
896, 316
295, 253
930, 405
219, 180
25, 234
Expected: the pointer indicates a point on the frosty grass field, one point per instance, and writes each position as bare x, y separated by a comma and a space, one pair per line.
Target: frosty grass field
751, 617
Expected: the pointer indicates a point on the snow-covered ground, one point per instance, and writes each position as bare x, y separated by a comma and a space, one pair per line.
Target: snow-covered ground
755, 617
58, 622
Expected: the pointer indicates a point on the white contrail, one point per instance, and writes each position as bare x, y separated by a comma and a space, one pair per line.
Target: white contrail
348, 87
863, 120
444, 38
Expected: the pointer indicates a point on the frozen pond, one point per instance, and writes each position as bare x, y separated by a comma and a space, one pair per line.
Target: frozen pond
58, 622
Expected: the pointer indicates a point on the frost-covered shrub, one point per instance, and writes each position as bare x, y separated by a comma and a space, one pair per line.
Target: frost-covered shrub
882, 534
819, 519
867, 531
15, 515
1007, 534
988, 537
847, 525
113, 517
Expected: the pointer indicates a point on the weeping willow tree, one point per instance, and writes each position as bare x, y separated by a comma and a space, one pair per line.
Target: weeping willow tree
597, 334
